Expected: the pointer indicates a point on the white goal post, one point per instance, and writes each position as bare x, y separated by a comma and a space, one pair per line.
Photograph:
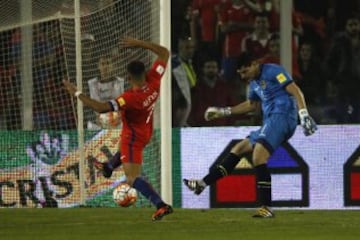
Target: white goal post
165, 107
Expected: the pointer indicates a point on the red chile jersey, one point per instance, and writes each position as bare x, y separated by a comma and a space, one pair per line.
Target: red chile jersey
137, 107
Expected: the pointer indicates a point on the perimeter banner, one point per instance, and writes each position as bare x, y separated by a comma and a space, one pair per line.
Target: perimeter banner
321, 171
41, 169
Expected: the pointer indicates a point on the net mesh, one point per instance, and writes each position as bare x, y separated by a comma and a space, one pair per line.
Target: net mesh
39, 168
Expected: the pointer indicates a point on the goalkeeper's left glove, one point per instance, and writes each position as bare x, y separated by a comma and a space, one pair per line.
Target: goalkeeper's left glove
307, 122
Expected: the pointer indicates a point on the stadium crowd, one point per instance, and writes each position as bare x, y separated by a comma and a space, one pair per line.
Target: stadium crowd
210, 39
220, 34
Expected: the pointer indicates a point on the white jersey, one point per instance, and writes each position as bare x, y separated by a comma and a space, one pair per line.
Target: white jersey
105, 92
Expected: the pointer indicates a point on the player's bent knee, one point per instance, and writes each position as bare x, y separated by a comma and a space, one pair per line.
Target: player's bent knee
259, 161
242, 147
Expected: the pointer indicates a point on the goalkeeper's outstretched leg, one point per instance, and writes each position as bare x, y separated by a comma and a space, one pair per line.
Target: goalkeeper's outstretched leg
195, 185
221, 170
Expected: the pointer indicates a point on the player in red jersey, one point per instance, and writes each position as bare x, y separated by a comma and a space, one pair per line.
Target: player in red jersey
136, 106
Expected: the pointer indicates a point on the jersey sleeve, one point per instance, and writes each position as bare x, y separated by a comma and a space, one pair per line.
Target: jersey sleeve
124, 101
156, 72
282, 77
252, 95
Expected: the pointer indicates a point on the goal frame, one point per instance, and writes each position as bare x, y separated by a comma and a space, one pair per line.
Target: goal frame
165, 104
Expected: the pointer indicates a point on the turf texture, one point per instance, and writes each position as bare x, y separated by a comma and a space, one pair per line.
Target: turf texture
183, 224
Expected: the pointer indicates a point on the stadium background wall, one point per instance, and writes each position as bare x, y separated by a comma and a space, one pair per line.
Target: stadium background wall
317, 172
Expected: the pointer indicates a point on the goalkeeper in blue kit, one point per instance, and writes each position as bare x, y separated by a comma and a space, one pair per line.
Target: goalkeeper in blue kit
281, 100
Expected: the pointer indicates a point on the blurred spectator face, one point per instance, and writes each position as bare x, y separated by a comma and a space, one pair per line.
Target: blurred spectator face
186, 49
305, 52
352, 26
261, 24
210, 69
237, 2
106, 68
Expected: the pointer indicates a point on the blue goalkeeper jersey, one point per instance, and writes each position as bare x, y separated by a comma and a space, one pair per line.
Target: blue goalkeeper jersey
269, 88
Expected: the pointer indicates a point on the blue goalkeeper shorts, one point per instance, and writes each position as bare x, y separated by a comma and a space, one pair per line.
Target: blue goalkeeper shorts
277, 129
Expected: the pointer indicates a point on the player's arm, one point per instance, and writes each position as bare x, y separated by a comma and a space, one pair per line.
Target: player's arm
161, 52
195, 15
245, 107
293, 89
242, 108
100, 107
306, 121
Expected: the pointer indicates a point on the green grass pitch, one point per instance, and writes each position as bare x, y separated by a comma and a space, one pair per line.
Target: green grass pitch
183, 224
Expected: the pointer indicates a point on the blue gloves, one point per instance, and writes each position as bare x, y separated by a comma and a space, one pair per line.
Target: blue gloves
307, 122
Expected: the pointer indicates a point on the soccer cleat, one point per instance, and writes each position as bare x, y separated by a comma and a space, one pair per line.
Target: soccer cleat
161, 212
103, 168
264, 212
194, 185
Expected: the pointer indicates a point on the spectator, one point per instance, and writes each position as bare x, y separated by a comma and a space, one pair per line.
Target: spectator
342, 65
208, 92
43, 51
52, 108
180, 17
183, 80
311, 74
10, 86
272, 8
312, 81
203, 26
236, 20
257, 43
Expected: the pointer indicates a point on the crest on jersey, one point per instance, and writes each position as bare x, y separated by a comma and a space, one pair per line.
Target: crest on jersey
121, 101
281, 77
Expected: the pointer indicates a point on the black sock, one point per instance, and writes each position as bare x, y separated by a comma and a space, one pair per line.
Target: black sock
263, 185
147, 190
223, 169
115, 160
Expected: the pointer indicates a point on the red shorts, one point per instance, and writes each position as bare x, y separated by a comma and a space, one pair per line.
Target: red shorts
132, 153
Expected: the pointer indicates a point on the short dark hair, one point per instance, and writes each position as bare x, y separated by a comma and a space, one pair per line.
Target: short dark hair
207, 59
136, 68
245, 59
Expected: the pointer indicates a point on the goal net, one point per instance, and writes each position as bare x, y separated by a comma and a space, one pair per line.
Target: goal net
39, 164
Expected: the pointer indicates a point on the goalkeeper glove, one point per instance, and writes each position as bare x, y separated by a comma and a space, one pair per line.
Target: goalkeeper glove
307, 122
216, 112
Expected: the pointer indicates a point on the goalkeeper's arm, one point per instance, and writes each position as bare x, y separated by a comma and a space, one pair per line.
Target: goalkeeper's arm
307, 122
295, 91
242, 108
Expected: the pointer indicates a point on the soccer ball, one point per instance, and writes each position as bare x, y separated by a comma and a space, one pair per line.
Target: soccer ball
124, 195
